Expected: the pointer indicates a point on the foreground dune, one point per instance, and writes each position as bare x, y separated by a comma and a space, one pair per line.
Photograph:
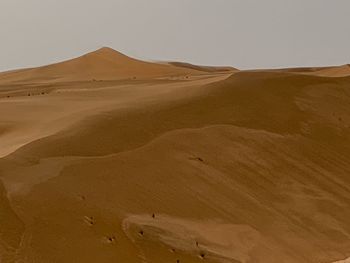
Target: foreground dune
215, 167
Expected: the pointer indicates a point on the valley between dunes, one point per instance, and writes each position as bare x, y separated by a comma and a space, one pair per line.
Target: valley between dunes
105, 158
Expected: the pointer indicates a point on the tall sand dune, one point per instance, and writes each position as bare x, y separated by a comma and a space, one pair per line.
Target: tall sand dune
103, 64
245, 167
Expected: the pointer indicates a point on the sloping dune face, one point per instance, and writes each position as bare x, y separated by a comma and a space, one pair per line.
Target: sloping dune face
336, 71
340, 71
203, 68
249, 167
103, 64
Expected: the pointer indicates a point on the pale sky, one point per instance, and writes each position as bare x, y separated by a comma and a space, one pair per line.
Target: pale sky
242, 33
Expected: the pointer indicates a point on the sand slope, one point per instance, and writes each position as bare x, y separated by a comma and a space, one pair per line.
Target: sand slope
340, 71
203, 68
335, 71
249, 167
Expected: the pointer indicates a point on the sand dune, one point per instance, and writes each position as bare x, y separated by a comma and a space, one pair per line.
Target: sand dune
103, 64
336, 71
203, 68
340, 71
220, 167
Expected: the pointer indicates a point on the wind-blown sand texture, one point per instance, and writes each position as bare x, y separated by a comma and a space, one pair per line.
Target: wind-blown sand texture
110, 159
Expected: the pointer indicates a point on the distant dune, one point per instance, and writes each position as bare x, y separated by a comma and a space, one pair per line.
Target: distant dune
103, 64
203, 68
183, 164
340, 71
335, 71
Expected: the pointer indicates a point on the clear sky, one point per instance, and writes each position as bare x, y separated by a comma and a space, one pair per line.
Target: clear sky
241, 33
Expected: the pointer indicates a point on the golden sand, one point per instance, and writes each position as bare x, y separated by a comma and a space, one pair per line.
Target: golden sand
109, 159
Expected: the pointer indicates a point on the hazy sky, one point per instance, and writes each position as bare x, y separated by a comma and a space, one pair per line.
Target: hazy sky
241, 33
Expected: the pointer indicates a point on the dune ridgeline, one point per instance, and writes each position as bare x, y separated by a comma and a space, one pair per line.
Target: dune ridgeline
105, 158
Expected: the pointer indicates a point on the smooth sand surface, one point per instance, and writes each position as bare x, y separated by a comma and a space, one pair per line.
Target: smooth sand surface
204, 166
